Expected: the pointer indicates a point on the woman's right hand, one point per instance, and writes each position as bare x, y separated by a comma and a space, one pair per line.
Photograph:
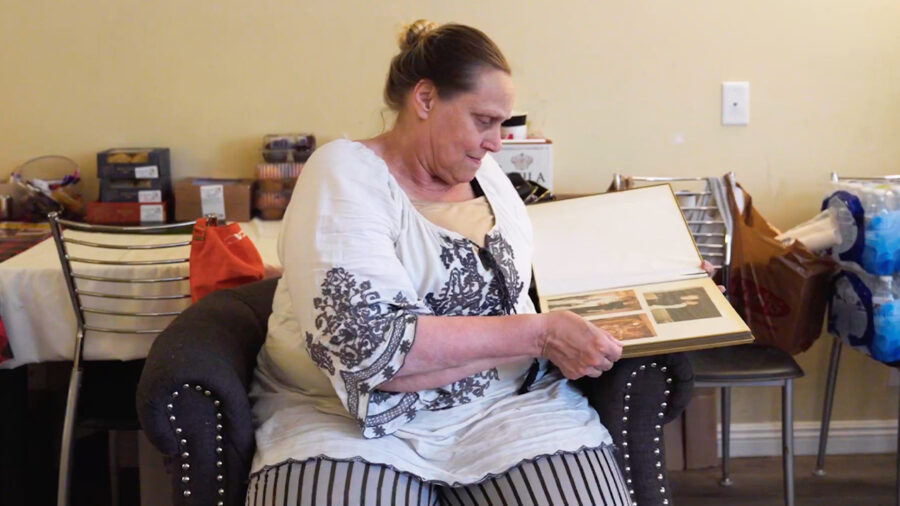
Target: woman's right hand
578, 347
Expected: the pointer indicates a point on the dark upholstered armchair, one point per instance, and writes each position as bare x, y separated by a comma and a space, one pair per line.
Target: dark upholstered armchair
193, 405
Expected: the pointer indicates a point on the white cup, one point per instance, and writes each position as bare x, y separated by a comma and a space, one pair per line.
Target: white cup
514, 128
513, 132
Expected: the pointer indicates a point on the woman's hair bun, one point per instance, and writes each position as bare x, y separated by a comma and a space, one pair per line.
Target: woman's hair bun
414, 32
449, 55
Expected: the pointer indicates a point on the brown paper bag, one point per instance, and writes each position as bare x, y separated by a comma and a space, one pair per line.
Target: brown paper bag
780, 291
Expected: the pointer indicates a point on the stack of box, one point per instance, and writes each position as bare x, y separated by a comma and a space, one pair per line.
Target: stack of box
280, 148
135, 187
275, 184
277, 177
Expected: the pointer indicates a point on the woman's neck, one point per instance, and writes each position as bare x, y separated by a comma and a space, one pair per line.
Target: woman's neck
411, 167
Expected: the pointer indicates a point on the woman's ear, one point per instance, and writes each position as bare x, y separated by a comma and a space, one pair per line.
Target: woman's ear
423, 97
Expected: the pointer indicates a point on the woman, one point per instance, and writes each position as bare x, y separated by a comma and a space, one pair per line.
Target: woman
404, 363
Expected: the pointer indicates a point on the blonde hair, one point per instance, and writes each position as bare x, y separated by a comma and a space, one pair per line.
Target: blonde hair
415, 31
449, 55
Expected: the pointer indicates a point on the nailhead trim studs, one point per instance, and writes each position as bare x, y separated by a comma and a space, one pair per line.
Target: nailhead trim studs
183, 442
656, 440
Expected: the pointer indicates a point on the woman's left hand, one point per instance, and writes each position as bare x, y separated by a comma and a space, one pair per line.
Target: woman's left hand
710, 270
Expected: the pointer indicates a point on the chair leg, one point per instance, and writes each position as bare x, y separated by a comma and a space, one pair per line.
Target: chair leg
68, 437
828, 404
112, 438
787, 434
726, 436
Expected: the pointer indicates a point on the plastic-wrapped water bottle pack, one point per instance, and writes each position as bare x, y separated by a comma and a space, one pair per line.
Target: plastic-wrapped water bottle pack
865, 300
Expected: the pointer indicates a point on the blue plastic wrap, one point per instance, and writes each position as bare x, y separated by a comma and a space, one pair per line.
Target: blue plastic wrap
863, 313
850, 313
885, 345
850, 217
864, 309
881, 252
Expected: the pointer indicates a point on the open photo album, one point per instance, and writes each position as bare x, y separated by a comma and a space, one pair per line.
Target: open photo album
627, 262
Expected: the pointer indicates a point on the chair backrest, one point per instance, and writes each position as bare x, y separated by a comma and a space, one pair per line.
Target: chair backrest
122, 280
702, 201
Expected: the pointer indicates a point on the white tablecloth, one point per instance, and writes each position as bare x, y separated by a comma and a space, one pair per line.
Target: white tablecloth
40, 320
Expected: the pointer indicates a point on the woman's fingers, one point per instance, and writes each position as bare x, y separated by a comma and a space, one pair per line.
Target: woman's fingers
594, 372
708, 267
579, 348
609, 350
604, 365
609, 345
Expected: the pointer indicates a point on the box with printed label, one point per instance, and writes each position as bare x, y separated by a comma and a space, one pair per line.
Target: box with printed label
532, 158
125, 213
134, 163
229, 199
135, 190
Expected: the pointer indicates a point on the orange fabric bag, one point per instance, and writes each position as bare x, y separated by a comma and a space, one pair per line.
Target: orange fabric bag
221, 257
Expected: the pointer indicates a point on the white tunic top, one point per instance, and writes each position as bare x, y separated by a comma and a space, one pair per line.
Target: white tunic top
360, 264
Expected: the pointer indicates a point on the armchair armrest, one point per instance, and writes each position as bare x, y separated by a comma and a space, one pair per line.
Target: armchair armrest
635, 399
192, 396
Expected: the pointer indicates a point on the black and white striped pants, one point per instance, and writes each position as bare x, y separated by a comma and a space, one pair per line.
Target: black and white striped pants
589, 477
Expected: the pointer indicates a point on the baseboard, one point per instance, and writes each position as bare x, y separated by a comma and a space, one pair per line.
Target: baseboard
844, 437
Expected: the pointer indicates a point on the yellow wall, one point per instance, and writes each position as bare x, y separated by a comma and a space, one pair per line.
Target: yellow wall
615, 84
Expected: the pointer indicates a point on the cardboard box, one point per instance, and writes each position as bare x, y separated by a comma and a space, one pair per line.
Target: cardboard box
135, 190
533, 158
700, 447
229, 199
134, 163
673, 438
125, 213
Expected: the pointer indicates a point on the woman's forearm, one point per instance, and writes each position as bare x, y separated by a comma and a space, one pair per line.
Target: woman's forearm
449, 348
445, 343
435, 379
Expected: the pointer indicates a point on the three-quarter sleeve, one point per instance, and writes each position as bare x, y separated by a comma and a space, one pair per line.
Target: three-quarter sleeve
354, 300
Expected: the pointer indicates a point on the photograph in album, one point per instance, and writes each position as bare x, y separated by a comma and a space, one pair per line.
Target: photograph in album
626, 327
638, 278
681, 305
598, 304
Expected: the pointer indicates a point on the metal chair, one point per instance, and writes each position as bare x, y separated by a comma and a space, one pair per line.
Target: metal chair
125, 283
703, 202
834, 360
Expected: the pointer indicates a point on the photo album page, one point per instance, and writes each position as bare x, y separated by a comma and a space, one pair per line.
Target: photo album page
626, 262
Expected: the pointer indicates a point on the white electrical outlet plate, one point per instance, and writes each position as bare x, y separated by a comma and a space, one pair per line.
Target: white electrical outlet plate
735, 103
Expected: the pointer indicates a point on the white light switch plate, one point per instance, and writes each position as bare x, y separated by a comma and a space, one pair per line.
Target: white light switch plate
735, 103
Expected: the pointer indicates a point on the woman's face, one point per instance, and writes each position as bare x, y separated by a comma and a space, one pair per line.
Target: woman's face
465, 127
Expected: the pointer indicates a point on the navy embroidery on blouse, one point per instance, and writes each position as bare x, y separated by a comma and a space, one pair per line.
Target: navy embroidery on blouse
464, 390
468, 292
506, 285
357, 324
319, 354
349, 312
463, 293
379, 396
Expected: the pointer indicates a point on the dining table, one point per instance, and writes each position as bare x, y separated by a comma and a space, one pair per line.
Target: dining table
38, 316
